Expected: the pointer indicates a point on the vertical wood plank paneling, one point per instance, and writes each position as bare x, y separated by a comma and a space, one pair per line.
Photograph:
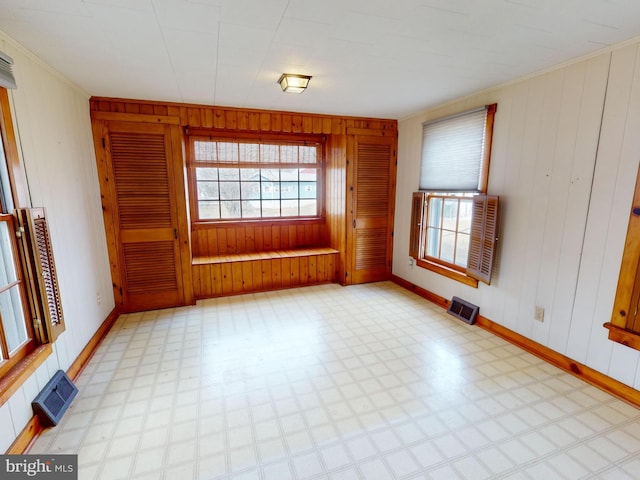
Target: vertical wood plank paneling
296, 123
231, 245
285, 272
236, 277
294, 271
256, 274
625, 63
206, 117
304, 270
276, 273
231, 119
553, 229
205, 280
216, 280
243, 120
212, 241
307, 124
247, 277
265, 122
218, 118
276, 122
222, 240
267, 280
540, 115
577, 201
194, 117
286, 123
227, 278
313, 269
195, 272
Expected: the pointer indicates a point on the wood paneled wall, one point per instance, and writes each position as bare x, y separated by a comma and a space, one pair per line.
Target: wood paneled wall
209, 240
242, 120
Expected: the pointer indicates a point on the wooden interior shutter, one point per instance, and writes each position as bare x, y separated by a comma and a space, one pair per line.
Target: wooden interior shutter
417, 214
484, 232
42, 284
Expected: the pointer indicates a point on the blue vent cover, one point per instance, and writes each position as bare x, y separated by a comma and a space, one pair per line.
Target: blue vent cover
54, 399
465, 311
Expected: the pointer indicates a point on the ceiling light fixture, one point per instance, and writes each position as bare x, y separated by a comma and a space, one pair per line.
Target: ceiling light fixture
293, 83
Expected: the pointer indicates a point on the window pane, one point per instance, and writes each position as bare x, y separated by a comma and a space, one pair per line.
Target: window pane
435, 212
270, 190
289, 174
289, 208
13, 318
270, 174
249, 152
250, 174
205, 151
308, 174
209, 210
250, 190
229, 190
289, 190
450, 214
289, 154
269, 153
462, 250
308, 208
206, 174
227, 152
433, 242
250, 209
308, 190
465, 214
208, 191
229, 174
236, 191
448, 246
271, 208
8, 272
230, 209
308, 154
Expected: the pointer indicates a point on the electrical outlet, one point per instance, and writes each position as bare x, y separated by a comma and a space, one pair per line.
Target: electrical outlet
411, 262
539, 314
98, 299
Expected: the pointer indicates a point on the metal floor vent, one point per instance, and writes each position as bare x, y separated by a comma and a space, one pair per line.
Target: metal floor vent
54, 399
465, 311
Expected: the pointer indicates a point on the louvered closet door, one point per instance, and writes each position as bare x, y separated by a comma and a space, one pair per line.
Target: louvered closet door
139, 160
370, 240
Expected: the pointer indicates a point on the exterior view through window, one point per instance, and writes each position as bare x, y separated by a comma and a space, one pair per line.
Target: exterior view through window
238, 180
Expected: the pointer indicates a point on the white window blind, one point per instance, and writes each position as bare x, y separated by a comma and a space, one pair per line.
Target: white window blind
452, 152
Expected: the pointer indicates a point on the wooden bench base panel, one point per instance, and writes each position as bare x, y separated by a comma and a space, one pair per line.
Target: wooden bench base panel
237, 276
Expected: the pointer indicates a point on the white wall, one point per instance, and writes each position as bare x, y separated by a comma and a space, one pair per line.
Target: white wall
564, 162
52, 123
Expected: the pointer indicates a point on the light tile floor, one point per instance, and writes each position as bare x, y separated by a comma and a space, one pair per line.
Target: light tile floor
363, 382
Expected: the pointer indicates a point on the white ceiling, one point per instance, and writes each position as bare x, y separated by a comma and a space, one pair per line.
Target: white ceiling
380, 58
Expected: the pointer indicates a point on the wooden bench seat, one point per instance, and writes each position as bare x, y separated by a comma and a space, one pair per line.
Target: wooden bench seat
235, 273
248, 256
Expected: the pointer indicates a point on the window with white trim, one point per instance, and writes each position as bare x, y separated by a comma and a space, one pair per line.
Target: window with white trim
445, 234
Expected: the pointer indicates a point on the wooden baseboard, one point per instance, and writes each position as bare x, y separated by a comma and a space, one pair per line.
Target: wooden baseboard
585, 373
87, 352
34, 428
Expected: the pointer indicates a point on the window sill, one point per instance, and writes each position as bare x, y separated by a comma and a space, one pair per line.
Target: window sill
448, 272
625, 337
19, 374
